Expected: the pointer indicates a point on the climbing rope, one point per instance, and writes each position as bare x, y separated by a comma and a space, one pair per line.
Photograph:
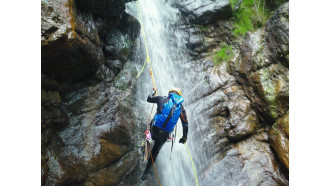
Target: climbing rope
192, 164
151, 74
154, 87
153, 82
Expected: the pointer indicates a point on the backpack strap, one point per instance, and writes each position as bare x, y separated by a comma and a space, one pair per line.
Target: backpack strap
169, 116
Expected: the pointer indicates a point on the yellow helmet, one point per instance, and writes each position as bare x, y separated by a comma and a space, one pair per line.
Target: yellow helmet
175, 90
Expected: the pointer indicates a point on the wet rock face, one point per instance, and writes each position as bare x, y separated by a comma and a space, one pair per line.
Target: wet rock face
234, 116
63, 50
203, 39
87, 124
265, 82
75, 41
241, 151
204, 12
246, 102
278, 35
109, 9
248, 162
279, 139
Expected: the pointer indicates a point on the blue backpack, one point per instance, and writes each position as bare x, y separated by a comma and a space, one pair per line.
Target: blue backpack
170, 113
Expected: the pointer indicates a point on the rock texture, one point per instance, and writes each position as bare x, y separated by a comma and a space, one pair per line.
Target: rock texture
278, 35
262, 70
87, 121
205, 11
279, 139
246, 101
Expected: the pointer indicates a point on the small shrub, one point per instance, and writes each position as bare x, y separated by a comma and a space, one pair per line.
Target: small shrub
225, 54
251, 15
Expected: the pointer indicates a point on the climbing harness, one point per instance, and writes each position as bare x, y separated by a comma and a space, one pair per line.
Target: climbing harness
192, 164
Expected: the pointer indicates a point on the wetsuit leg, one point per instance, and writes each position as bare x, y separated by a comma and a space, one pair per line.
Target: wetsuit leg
155, 151
160, 138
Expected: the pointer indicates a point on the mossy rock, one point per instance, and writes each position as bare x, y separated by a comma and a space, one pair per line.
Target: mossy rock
272, 84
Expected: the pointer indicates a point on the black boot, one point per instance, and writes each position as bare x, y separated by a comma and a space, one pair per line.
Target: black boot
145, 175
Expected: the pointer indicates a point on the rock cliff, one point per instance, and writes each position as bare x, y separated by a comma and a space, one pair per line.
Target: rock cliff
87, 123
246, 98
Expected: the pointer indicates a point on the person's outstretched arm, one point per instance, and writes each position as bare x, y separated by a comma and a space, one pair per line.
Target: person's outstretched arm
152, 99
184, 121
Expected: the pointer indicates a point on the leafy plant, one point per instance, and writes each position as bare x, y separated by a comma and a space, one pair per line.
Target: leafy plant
251, 15
225, 54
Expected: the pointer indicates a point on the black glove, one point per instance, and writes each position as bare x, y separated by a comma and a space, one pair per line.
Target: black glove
183, 140
152, 94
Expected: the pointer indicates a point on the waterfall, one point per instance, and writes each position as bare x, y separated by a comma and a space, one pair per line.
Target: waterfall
168, 55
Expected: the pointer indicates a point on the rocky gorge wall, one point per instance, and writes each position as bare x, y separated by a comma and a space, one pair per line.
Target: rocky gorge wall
86, 81
246, 97
89, 119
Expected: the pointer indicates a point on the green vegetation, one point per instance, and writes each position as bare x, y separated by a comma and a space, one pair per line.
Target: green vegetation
203, 28
252, 14
225, 54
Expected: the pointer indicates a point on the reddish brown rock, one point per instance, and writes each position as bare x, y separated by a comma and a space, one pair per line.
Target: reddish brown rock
279, 139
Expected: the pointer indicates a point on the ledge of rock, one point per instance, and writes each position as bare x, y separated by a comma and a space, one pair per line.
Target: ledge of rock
206, 11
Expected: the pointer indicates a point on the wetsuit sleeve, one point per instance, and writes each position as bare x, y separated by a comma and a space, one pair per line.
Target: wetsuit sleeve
184, 121
160, 100
152, 99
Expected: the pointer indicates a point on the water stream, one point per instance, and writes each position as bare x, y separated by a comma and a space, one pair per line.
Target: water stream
168, 56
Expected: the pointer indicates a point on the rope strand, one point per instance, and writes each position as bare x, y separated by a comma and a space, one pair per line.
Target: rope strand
154, 167
152, 78
192, 164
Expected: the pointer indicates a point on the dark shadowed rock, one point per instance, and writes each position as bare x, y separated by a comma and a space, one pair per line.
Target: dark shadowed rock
206, 11
277, 30
110, 9
87, 124
68, 45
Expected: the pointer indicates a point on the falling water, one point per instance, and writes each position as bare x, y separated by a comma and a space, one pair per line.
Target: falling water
168, 57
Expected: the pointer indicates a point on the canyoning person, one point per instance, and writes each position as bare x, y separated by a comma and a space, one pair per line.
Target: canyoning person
169, 110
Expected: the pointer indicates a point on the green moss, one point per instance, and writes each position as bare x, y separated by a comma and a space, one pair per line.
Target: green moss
225, 54
251, 15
